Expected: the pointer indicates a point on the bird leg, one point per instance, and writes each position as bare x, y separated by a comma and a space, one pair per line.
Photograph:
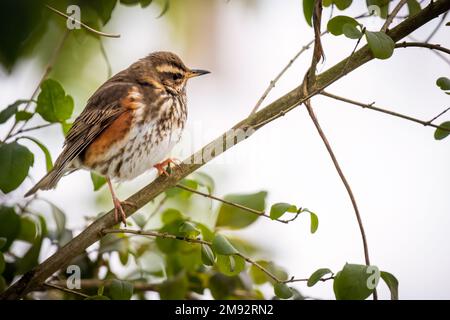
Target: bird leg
161, 166
118, 205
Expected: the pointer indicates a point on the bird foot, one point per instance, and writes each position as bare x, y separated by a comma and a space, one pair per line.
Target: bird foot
118, 209
166, 163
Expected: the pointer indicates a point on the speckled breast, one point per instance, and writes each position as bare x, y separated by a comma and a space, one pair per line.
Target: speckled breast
149, 141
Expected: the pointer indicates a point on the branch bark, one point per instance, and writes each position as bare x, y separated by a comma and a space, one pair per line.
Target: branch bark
93, 233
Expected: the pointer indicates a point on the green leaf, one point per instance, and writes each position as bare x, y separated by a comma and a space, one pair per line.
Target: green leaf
308, 7
120, 290
103, 8
174, 288
443, 83
165, 8
413, 7
66, 127
29, 229
204, 180
53, 104
235, 218
221, 245
31, 257
380, 6
60, 219
352, 283
278, 209
352, 32
343, 25
15, 161
314, 222
23, 116
222, 286
391, 282
9, 226
48, 157
10, 110
230, 265
340, 4
3, 241
169, 245
98, 181
258, 276
145, 3
440, 134
2, 263
381, 45
170, 215
208, 257
317, 275
282, 291
3, 285
188, 229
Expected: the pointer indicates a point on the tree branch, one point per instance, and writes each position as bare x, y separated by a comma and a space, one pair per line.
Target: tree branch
99, 33
191, 240
237, 205
392, 15
392, 113
61, 288
274, 110
423, 45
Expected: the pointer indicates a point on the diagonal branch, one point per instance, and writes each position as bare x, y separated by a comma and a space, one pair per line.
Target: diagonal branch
93, 233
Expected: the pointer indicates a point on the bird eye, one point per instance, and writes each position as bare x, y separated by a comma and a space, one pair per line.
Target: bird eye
176, 76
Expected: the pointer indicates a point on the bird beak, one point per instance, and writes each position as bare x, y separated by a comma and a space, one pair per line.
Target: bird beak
197, 72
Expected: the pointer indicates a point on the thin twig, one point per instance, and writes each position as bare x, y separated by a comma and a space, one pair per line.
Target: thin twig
392, 113
344, 180
392, 15
282, 72
436, 28
437, 53
307, 84
437, 116
99, 33
237, 205
31, 129
422, 45
198, 241
105, 57
97, 283
54, 286
156, 234
47, 70
306, 279
158, 207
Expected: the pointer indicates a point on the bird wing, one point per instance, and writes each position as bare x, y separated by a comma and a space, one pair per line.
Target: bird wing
102, 109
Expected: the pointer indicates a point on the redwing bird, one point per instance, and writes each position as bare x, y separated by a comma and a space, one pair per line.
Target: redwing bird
129, 125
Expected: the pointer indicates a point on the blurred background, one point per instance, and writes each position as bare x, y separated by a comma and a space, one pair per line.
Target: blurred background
398, 172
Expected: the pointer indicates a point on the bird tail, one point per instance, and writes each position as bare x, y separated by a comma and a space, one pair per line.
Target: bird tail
49, 181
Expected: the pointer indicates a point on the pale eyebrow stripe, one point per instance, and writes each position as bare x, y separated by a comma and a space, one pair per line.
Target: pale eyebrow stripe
168, 68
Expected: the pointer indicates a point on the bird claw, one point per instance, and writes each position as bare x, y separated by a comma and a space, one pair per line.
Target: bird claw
118, 209
161, 166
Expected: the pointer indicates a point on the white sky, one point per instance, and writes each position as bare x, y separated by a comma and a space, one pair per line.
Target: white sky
398, 172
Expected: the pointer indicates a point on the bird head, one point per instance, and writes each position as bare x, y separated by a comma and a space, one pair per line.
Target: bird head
168, 71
